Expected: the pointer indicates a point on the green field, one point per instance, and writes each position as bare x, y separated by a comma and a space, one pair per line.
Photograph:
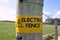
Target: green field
7, 30
49, 29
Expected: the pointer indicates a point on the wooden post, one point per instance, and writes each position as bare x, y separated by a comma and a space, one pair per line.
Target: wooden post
29, 8
56, 29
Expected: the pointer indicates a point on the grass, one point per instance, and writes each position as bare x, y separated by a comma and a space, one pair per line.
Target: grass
49, 29
7, 30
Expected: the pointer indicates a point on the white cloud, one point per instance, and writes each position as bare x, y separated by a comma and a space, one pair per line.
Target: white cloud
52, 15
6, 1
7, 14
0, 0
58, 12
46, 15
44, 18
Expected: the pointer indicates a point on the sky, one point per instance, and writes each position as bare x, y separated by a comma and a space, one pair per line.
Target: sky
51, 8
7, 10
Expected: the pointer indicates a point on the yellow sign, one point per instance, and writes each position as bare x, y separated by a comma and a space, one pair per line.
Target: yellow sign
28, 24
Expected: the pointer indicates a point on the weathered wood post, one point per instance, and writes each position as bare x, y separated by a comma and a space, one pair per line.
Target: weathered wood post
56, 29
29, 19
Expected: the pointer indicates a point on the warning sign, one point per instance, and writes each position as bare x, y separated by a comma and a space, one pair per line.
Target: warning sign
28, 24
